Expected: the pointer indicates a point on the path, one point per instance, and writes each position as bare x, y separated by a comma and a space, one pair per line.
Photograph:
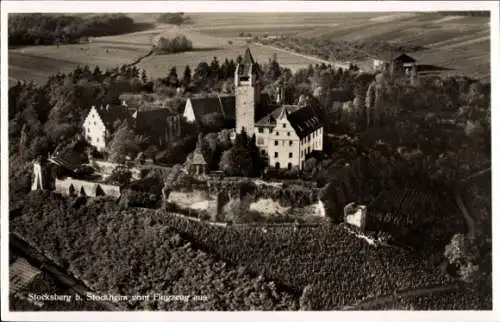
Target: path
428, 290
139, 59
471, 225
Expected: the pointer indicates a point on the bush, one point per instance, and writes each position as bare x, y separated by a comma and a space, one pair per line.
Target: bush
177, 18
179, 43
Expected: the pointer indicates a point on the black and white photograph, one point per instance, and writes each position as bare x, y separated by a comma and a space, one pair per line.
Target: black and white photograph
211, 156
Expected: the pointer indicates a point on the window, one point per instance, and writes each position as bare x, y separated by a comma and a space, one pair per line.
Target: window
97, 140
289, 166
275, 154
284, 125
290, 143
260, 141
290, 154
263, 152
277, 133
288, 133
94, 123
275, 142
261, 130
277, 165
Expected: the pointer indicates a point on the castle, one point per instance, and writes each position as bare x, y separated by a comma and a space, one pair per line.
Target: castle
285, 134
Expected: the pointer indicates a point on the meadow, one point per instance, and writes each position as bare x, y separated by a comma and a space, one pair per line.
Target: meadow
460, 44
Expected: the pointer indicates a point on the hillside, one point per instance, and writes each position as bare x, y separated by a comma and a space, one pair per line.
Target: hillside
457, 43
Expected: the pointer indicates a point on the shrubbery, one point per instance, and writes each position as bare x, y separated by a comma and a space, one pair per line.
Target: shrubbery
177, 18
179, 43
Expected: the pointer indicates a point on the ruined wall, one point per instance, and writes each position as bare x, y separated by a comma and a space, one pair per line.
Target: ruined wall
69, 186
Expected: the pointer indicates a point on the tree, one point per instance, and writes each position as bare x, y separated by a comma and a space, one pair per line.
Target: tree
123, 144
186, 79
172, 78
23, 141
215, 69
120, 176
177, 44
236, 161
201, 76
462, 251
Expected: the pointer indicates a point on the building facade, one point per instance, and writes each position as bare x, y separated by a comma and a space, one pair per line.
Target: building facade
288, 135
158, 123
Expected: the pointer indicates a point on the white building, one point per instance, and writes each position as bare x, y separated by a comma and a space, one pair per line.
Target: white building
158, 123
288, 135
100, 124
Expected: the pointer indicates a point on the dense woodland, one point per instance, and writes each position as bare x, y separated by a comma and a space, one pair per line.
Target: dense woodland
50, 29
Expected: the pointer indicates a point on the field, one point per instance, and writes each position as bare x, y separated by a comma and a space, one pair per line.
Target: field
460, 44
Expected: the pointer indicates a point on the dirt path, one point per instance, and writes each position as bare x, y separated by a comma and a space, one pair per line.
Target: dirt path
388, 298
471, 224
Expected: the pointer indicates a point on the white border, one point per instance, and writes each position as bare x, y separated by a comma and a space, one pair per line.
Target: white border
239, 6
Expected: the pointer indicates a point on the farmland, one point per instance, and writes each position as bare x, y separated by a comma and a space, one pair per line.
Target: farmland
460, 44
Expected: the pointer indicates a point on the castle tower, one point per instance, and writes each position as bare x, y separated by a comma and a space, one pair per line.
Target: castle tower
247, 93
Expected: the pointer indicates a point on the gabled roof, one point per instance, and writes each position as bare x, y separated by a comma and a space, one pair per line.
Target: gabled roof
154, 121
111, 113
207, 105
224, 106
305, 120
228, 104
270, 119
198, 158
395, 56
68, 159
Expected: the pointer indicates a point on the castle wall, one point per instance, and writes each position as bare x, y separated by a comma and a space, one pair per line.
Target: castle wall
91, 189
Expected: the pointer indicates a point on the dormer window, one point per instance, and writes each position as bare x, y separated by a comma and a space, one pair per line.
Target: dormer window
284, 125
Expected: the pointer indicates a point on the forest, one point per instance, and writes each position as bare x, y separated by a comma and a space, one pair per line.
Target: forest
51, 29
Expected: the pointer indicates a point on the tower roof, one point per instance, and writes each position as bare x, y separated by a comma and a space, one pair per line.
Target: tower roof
247, 57
247, 63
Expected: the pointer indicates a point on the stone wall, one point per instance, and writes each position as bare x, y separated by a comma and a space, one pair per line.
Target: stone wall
68, 186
